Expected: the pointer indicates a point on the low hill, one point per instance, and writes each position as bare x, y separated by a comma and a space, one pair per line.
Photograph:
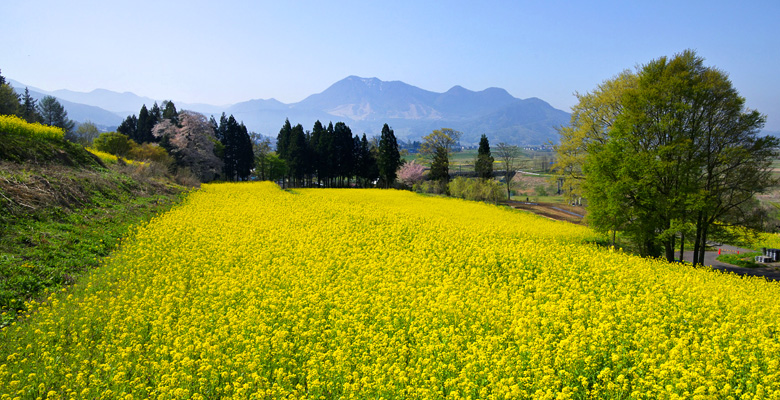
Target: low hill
62, 208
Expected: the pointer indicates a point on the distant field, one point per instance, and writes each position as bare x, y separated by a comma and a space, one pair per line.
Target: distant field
463, 161
247, 291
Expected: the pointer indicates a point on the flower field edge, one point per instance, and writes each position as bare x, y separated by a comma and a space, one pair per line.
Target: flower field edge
248, 291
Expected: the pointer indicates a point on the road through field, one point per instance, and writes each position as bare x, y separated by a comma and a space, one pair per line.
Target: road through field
769, 272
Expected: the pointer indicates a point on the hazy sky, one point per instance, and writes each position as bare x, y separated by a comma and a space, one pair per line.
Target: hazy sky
223, 52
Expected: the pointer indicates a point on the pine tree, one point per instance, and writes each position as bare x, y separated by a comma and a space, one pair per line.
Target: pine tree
370, 171
246, 154
169, 112
389, 158
129, 126
143, 132
319, 158
29, 110
342, 147
54, 114
283, 143
484, 163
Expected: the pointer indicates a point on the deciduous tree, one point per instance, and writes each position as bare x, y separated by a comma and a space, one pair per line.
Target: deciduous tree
192, 144
436, 148
411, 173
86, 133
681, 151
508, 154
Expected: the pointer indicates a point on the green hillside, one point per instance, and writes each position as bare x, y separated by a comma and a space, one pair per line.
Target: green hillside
62, 208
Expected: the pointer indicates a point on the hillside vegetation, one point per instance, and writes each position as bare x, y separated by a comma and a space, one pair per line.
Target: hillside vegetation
62, 208
249, 291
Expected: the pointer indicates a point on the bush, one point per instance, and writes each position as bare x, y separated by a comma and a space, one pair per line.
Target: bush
115, 143
150, 152
477, 189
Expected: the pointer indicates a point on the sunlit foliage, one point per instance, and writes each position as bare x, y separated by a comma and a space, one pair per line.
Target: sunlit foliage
15, 125
248, 291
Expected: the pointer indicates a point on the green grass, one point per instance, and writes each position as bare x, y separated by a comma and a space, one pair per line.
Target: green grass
745, 260
47, 251
61, 210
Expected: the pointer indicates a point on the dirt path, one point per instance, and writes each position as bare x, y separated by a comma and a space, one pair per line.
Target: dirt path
556, 211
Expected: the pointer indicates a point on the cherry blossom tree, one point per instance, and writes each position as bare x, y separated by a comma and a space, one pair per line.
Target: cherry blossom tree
410, 173
191, 143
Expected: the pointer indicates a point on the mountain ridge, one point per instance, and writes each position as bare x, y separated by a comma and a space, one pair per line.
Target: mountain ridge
365, 104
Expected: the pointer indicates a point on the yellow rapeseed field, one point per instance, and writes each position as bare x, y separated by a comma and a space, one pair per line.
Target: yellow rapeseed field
249, 292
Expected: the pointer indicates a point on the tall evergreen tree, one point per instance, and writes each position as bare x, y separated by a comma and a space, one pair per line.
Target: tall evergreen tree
365, 166
144, 126
484, 163
29, 111
129, 126
155, 113
319, 157
169, 112
246, 154
389, 158
54, 114
283, 143
342, 147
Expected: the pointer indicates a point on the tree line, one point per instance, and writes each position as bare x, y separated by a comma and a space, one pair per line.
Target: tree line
333, 157
48, 111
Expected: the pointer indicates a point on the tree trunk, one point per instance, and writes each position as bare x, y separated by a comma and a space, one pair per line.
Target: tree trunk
697, 240
669, 249
682, 247
703, 245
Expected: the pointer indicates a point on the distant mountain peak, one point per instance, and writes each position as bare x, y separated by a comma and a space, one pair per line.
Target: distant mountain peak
365, 104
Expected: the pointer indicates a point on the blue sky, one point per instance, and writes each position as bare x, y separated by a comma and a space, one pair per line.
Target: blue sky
230, 51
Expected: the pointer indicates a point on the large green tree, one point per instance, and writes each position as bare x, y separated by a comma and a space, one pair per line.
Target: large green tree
388, 158
591, 120
237, 155
679, 153
28, 108
9, 99
86, 133
483, 165
54, 114
436, 148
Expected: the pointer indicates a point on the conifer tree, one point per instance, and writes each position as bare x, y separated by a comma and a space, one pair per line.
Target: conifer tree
484, 163
169, 112
143, 131
389, 158
29, 111
129, 126
54, 114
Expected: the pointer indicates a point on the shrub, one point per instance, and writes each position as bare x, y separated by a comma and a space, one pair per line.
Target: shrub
115, 143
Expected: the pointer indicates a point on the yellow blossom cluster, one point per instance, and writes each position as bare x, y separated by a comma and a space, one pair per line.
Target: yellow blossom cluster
109, 158
247, 291
15, 125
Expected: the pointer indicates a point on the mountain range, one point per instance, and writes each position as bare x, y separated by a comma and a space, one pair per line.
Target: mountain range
365, 104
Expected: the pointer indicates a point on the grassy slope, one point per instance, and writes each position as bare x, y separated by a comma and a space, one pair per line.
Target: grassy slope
61, 209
